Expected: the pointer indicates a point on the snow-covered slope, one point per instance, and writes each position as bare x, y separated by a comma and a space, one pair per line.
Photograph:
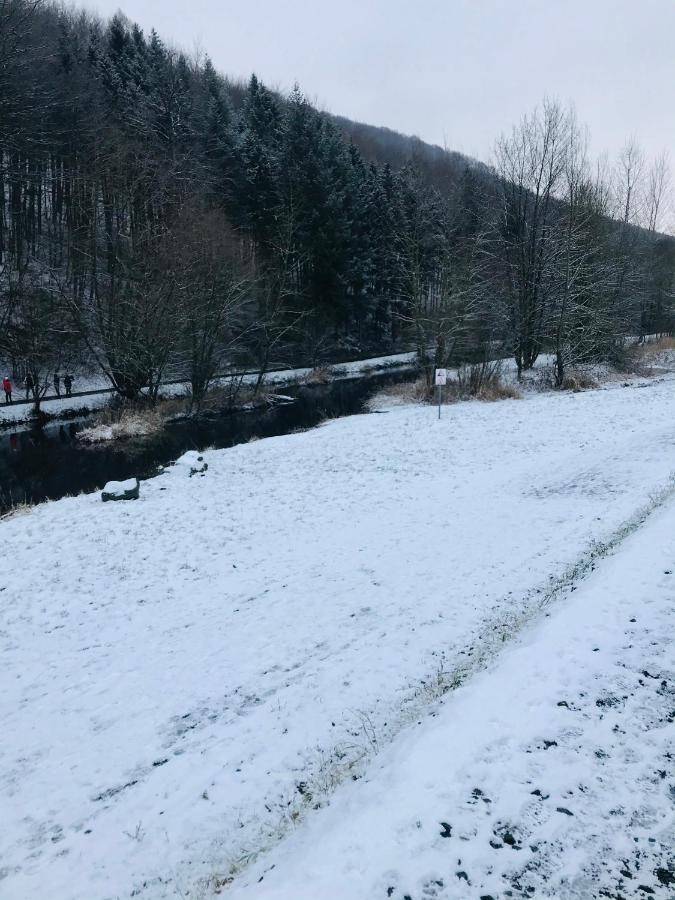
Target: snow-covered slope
185, 675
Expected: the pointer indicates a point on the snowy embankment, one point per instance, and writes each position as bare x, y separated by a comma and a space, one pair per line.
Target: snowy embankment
185, 676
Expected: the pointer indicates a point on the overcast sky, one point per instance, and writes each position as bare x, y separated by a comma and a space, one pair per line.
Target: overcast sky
455, 72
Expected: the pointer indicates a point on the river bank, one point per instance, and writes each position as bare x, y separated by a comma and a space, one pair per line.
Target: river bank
51, 462
94, 391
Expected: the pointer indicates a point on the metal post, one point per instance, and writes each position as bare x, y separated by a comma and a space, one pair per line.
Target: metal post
440, 390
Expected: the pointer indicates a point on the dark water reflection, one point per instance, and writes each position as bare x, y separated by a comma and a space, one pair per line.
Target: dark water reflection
50, 463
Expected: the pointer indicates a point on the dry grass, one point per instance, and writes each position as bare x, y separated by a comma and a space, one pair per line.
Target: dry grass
489, 391
232, 395
663, 343
16, 508
497, 390
319, 375
172, 406
651, 358
418, 392
577, 380
407, 391
124, 422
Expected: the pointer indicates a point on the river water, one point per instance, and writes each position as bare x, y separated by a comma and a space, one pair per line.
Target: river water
50, 462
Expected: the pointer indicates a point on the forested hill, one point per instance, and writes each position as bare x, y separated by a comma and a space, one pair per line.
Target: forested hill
381, 145
154, 214
442, 168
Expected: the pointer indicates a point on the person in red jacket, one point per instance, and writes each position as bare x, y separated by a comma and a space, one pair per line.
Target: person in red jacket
7, 388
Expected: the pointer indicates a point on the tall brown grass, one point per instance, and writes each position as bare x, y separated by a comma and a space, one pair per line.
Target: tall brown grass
578, 380
417, 391
663, 343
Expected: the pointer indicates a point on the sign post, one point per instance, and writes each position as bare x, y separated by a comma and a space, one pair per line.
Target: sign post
441, 380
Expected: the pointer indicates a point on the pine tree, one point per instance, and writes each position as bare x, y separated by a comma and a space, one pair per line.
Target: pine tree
254, 203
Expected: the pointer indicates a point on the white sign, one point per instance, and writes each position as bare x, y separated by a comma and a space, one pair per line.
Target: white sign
441, 376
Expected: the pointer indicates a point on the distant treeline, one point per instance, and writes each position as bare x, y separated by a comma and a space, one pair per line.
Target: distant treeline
154, 216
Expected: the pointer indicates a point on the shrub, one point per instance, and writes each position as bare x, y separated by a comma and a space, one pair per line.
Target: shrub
128, 419
497, 390
139, 423
477, 378
407, 391
318, 375
578, 380
454, 391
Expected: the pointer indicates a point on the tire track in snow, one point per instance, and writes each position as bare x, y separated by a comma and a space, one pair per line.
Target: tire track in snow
332, 767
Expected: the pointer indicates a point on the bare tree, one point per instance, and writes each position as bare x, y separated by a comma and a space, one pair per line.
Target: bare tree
628, 209
658, 197
277, 316
432, 285
214, 291
444, 313
578, 325
128, 310
38, 335
530, 165
655, 311
131, 322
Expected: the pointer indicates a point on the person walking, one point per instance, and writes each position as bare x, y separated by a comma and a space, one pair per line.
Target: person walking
7, 388
57, 384
28, 384
68, 384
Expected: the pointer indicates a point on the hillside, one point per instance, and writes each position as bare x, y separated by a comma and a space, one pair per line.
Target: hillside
156, 217
443, 168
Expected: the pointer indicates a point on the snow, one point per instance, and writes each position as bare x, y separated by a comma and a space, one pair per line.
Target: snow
192, 462
186, 676
550, 775
21, 412
190, 458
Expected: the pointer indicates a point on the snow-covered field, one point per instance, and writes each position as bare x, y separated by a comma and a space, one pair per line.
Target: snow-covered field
549, 775
186, 676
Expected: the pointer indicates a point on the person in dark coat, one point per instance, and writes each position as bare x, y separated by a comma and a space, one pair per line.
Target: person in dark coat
7, 388
68, 384
28, 384
57, 384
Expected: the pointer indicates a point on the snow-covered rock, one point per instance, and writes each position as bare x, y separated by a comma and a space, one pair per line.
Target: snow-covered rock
193, 462
121, 490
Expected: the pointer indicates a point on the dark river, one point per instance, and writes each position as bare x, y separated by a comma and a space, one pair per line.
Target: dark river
50, 462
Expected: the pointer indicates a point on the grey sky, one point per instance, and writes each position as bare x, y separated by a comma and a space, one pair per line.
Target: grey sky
452, 71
